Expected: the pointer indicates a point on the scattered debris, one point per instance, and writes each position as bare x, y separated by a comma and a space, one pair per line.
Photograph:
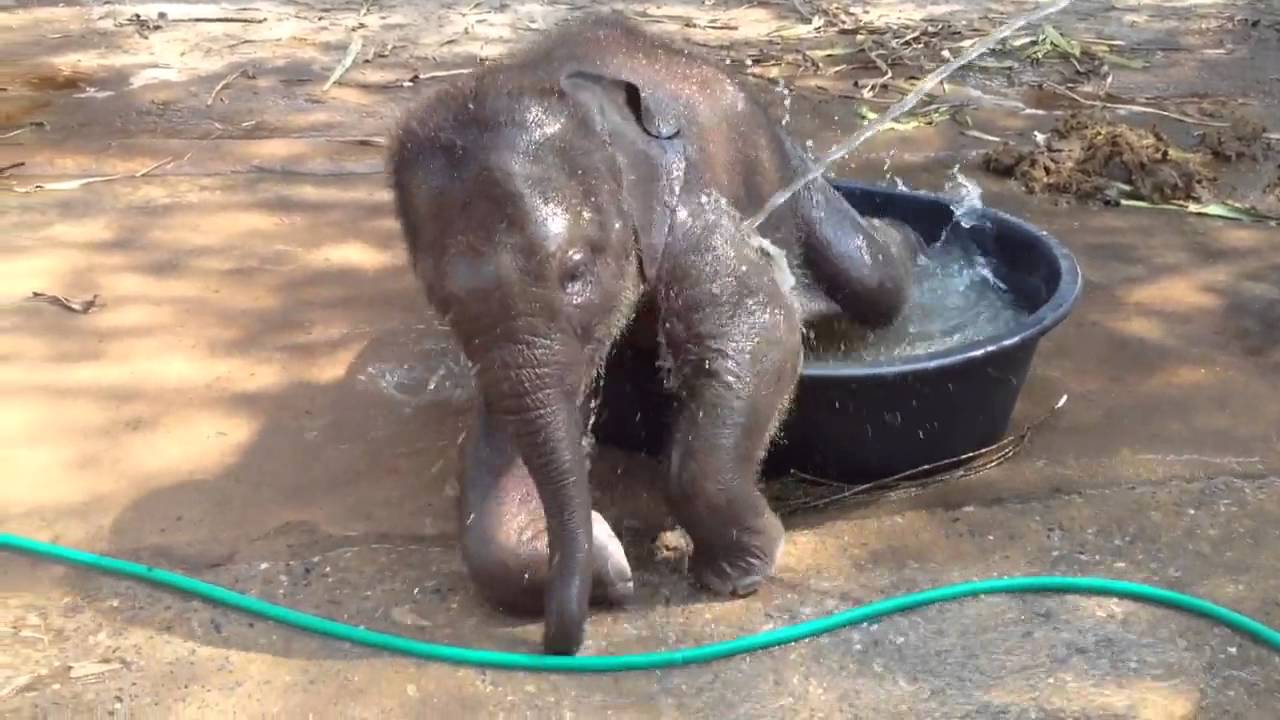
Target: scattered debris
381, 51
88, 671
67, 184
24, 128
34, 636
83, 307
81, 182
143, 24
1090, 158
1242, 139
222, 84
404, 615
93, 92
980, 135
15, 686
673, 547
1087, 157
1142, 109
414, 78
1050, 41
1222, 210
362, 141
899, 108
1085, 54
927, 116
221, 19
352, 51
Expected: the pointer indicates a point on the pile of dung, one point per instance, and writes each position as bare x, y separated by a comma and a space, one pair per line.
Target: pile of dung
1087, 157
1242, 140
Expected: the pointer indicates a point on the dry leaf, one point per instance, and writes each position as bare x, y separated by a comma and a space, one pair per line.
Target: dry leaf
84, 307
352, 51
405, 616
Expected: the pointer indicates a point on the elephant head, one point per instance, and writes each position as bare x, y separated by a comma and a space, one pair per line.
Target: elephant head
531, 207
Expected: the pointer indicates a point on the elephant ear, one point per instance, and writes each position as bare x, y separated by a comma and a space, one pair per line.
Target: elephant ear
642, 129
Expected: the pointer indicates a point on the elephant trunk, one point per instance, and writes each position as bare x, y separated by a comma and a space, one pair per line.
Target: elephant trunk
534, 388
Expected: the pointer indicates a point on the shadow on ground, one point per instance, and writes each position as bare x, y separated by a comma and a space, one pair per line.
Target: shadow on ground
266, 403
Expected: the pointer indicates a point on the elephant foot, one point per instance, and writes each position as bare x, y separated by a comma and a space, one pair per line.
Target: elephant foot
507, 559
737, 566
611, 580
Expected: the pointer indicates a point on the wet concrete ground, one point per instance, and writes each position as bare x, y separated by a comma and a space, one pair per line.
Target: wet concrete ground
265, 402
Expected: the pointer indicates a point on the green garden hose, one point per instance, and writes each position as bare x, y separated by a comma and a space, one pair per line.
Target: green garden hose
1267, 636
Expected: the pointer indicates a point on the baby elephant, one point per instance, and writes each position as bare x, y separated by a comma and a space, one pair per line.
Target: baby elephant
594, 184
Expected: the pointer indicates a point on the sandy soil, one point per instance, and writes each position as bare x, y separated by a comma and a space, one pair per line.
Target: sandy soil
263, 399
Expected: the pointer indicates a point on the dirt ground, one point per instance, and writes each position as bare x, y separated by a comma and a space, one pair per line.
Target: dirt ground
263, 400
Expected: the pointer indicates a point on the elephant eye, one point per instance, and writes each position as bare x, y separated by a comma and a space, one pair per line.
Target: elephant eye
575, 278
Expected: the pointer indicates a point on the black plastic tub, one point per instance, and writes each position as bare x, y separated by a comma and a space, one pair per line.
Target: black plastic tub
857, 422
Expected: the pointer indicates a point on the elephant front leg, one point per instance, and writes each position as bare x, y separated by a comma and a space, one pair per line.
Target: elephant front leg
735, 351
504, 532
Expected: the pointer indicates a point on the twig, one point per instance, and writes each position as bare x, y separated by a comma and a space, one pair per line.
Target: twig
980, 135
1140, 108
409, 81
364, 141
874, 86
81, 182
908, 102
352, 50
1133, 108
224, 82
12, 166
11, 133
220, 19
148, 170
993, 455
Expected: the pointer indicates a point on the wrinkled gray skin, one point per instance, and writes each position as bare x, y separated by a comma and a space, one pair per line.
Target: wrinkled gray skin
596, 183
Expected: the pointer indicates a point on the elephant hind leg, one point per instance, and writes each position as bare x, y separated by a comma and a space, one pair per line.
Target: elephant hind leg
863, 264
504, 531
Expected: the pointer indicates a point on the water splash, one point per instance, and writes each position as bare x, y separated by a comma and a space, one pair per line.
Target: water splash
445, 377
966, 199
975, 230
893, 113
786, 102
953, 303
956, 296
